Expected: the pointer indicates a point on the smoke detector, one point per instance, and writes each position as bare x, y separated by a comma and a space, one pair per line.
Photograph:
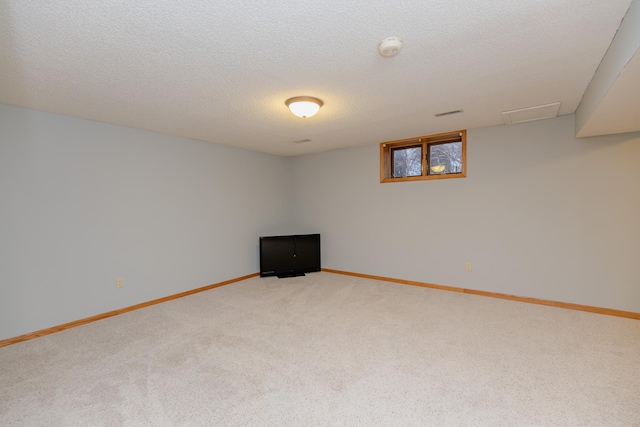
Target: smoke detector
389, 47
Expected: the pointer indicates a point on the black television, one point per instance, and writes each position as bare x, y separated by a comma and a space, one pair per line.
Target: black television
289, 256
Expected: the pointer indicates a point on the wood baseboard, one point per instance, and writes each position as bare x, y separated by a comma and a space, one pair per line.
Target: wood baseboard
84, 321
570, 306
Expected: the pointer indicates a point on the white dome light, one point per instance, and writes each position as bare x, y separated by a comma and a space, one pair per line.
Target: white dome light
304, 106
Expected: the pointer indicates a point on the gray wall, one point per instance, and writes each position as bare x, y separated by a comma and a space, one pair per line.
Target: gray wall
540, 214
83, 203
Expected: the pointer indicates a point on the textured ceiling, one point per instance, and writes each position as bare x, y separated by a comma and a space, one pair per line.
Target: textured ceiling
221, 70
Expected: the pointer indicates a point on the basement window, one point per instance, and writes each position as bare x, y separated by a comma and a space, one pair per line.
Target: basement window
438, 156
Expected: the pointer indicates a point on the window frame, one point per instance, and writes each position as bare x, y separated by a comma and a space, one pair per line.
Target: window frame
387, 149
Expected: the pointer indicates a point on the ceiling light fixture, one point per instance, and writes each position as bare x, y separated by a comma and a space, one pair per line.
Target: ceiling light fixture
304, 106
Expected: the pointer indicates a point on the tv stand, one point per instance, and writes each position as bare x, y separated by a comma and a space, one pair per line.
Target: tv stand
290, 274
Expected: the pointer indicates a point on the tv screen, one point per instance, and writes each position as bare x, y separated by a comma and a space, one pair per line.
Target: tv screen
287, 256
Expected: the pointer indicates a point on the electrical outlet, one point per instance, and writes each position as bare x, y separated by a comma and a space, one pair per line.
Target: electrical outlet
467, 266
119, 283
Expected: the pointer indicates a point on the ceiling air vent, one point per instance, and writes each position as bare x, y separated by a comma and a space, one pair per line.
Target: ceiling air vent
539, 112
300, 141
448, 113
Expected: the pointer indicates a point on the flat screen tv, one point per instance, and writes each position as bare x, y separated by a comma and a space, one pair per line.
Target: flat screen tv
289, 256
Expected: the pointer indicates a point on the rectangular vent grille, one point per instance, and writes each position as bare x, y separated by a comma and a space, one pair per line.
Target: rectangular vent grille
539, 112
448, 113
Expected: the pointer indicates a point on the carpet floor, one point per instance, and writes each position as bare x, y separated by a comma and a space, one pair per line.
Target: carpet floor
329, 350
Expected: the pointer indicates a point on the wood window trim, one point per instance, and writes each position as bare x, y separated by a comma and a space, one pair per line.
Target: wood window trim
386, 156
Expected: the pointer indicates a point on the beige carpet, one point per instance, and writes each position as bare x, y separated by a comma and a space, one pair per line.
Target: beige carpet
329, 350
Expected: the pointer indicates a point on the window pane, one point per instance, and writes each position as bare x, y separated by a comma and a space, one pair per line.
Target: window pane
407, 162
410, 159
445, 158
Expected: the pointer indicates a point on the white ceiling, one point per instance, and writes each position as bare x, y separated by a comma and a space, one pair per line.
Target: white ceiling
220, 70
